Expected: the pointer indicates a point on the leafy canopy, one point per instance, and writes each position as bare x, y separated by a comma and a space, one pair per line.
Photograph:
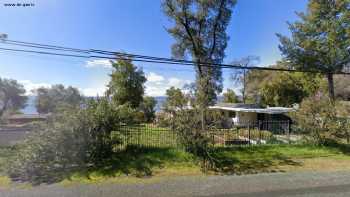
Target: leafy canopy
320, 40
147, 107
230, 96
127, 84
281, 88
199, 31
57, 96
175, 99
12, 96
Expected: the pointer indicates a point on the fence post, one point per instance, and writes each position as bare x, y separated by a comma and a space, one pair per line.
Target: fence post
138, 135
248, 132
288, 130
259, 129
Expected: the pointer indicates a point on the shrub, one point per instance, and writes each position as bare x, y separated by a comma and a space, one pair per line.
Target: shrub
50, 151
74, 138
319, 119
164, 119
193, 137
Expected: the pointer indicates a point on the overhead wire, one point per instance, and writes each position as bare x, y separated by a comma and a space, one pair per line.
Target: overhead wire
112, 55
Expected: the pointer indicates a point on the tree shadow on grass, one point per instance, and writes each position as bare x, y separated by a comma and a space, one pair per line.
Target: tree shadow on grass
343, 148
133, 160
137, 161
249, 160
142, 161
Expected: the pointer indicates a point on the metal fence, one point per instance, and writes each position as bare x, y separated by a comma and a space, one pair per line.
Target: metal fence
148, 135
247, 133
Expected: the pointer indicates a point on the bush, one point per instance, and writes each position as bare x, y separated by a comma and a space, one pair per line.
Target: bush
50, 151
164, 119
74, 138
319, 119
193, 137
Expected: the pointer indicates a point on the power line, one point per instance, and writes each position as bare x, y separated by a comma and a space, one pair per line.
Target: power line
134, 57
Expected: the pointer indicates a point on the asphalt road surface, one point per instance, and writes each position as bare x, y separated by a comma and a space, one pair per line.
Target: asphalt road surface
262, 185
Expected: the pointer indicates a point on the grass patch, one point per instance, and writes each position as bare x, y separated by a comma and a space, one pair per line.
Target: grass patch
5, 182
140, 164
270, 158
136, 162
145, 164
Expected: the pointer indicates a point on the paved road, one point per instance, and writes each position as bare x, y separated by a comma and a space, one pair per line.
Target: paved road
263, 185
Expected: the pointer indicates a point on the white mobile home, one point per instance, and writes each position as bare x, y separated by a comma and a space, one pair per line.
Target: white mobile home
239, 114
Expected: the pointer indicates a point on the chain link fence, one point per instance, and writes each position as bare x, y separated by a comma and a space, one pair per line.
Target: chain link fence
247, 133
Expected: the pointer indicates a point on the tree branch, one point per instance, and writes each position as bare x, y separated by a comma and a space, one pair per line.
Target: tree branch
218, 17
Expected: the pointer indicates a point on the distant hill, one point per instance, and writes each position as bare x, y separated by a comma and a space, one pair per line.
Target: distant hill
30, 107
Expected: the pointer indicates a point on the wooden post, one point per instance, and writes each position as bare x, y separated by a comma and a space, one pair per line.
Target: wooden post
288, 130
249, 133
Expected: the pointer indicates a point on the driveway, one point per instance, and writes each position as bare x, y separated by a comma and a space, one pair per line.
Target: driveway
269, 185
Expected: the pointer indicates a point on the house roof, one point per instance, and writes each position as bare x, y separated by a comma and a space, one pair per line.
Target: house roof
239, 107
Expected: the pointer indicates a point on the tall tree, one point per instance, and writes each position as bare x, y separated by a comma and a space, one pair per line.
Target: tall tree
147, 107
49, 99
285, 89
127, 84
12, 96
239, 77
321, 39
175, 99
200, 32
282, 88
230, 96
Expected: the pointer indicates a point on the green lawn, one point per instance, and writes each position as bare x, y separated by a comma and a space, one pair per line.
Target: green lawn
136, 163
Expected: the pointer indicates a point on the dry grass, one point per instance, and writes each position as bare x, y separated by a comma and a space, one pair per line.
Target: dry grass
331, 163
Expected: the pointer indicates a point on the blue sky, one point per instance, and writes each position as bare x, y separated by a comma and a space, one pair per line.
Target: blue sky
134, 26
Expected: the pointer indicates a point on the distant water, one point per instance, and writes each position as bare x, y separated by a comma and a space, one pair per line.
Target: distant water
30, 107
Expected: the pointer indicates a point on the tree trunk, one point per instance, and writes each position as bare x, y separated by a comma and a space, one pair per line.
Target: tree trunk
330, 86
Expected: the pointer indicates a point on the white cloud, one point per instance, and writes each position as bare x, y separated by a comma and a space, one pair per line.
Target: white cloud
176, 82
157, 85
99, 91
153, 77
96, 63
29, 86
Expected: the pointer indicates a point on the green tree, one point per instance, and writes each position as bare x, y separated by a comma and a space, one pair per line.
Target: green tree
147, 107
285, 89
314, 118
11, 96
282, 88
320, 40
230, 96
127, 84
51, 99
254, 79
175, 99
200, 32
